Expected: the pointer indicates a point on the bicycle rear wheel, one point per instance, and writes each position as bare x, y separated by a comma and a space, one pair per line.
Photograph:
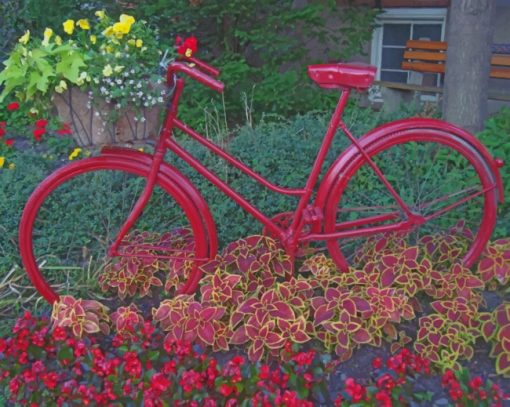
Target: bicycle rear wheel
438, 175
72, 218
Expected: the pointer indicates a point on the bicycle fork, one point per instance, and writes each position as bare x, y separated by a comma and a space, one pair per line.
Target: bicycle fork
142, 200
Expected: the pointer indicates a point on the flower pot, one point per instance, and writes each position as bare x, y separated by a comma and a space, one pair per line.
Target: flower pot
98, 123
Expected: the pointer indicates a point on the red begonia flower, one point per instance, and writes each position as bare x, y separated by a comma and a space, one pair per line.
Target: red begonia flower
38, 132
13, 106
41, 123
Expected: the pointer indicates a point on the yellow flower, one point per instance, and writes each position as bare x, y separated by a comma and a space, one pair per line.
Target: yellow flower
188, 52
68, 26
61, 87
25, 37
109, 49
48, 32
139, 43
121, 28
132, 42
2, 162
83, 23
108, 32
93, 39
124, 18
75, 153
12, 166
118, 68
101, 14
107, 70
58, 40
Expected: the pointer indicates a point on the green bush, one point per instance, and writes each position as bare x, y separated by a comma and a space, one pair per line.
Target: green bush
496, 137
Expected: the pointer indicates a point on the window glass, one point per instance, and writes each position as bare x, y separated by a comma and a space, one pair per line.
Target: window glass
427, 31
392, 58
396, 34
394, 76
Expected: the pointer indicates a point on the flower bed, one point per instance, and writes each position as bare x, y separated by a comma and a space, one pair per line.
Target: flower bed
40, 365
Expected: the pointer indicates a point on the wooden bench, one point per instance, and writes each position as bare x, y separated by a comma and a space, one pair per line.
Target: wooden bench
430, 57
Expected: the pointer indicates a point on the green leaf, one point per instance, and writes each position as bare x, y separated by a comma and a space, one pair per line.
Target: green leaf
69, 66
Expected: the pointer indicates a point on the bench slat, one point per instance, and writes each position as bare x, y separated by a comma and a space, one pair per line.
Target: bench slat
499, 59
423, 67
502, 73
422, 44
425, 56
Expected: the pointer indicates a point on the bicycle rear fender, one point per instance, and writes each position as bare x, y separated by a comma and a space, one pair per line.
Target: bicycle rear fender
342, 162
173, 175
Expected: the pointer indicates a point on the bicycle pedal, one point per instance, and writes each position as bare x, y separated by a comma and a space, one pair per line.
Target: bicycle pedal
312, 214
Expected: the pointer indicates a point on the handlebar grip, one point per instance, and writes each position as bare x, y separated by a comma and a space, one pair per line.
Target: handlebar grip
203, 66
195, 74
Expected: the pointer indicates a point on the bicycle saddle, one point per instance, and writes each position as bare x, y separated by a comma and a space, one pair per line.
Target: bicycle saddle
343, 75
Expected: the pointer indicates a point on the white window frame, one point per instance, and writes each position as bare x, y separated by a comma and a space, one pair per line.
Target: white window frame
402, 16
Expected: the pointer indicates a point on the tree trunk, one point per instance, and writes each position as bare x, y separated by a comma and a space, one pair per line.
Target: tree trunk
469, 35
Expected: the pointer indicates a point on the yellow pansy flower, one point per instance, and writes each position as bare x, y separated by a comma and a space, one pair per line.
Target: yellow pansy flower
101, 14
83, 23
75, 153
58, 40
12, 166
108, 32
48, 32
107, 70
68, 26
121, 28
139, 43
93, 39
61, 87
2, 162
124, 18
109, 49
25, 37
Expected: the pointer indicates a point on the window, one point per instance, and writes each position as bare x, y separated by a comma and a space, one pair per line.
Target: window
395, 27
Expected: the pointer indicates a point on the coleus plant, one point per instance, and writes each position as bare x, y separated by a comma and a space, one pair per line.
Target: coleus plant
494, 265
449, 334
496, 329
129, 276
80, 316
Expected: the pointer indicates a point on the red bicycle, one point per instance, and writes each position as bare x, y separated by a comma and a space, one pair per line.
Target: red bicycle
418, 177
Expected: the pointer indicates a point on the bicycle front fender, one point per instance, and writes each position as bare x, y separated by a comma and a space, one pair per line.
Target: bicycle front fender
376, 135
170, 174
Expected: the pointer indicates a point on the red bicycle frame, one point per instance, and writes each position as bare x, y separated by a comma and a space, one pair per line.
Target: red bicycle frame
304, 213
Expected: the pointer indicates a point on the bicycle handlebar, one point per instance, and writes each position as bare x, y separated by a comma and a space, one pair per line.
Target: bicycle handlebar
196, 74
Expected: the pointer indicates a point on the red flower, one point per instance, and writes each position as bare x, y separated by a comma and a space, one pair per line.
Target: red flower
226, 390
159, 382
186, 47
41, 123
13, 106
59, 334
3, 124
377, 363
2, 132
65, 130
38, 132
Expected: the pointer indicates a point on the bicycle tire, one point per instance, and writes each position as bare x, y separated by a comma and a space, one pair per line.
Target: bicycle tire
73, 193
455, 163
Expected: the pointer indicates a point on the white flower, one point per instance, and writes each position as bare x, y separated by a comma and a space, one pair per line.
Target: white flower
142, 119
119, 81
160, 100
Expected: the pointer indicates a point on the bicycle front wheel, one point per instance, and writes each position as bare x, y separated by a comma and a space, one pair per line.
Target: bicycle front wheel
74, 215
442, 179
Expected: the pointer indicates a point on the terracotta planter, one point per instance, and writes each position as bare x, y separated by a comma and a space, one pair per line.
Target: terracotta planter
92, 123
